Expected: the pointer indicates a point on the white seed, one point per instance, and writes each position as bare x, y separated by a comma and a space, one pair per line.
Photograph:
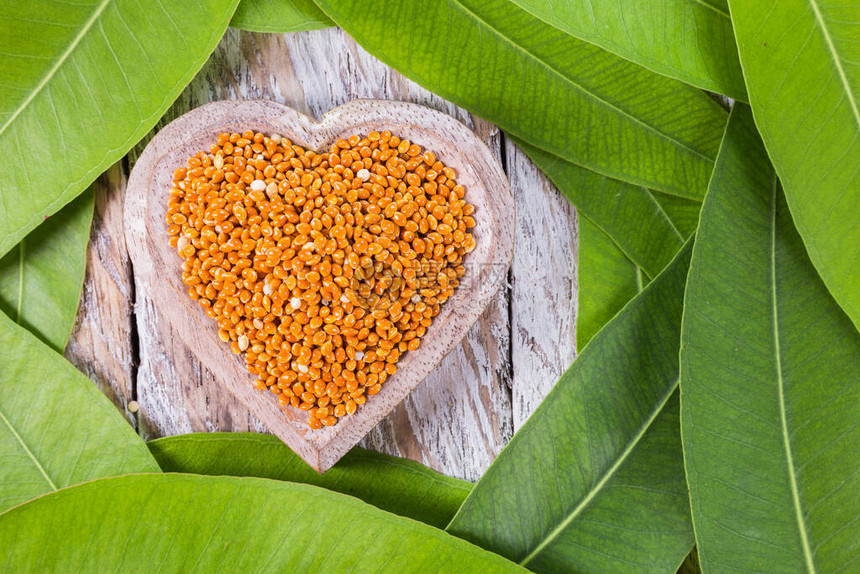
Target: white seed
243, 342
295, 302
359, 355
363, 175
344, 298
308, 245
275, 138
324, 301
272, 190
302, 368
416, 298
133, 407
267, 289
258, 325
218, 161
258, 185
182, 243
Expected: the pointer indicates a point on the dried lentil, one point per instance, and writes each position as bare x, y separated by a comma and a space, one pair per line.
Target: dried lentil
323, 269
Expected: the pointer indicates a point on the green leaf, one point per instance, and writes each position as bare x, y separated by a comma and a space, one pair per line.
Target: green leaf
565, 96
606, 279
41, 278
594, 481
394, 484
223, 524
690, 40
683, 213
279, 16
82, 82
801, 61
769, 367
628, 214
56, 428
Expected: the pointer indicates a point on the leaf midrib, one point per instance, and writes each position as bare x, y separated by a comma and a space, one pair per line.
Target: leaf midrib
579, 87
60, 61
36, 462
830, 46
607, 475
786, 439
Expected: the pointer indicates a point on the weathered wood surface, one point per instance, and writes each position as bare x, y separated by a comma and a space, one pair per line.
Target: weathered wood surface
101, 345
543, 277
466, 410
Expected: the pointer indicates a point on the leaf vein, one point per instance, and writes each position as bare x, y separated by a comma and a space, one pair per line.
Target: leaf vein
60, 61
28, 451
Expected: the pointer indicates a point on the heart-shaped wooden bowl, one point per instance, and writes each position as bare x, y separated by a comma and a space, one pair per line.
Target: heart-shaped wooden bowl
157, 265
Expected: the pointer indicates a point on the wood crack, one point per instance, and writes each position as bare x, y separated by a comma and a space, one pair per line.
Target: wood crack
509, 364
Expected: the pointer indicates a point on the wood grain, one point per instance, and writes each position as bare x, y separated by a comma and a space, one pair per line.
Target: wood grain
462, 415
101, 345
543, 295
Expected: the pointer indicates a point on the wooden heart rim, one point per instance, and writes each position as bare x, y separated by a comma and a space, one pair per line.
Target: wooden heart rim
157, 265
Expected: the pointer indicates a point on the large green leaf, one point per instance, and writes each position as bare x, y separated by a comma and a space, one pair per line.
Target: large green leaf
606, 280
563, 95
627, 213
691, 40
81, 83
41, 278
279, 16
184, 522
801, 60
594, 481
394, 484
56, 428
769, 383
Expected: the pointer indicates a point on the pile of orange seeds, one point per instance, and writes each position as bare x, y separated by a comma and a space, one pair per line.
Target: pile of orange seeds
323, 269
